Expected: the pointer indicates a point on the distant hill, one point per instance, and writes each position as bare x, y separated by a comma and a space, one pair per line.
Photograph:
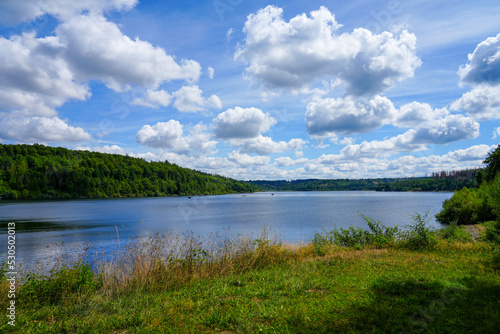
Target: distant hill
442, 181
42, 172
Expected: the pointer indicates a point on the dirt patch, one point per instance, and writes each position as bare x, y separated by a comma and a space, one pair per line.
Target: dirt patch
475, 231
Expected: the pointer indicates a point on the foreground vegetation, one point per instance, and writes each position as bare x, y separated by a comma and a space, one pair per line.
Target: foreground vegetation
480, 204
345, 281
42, 172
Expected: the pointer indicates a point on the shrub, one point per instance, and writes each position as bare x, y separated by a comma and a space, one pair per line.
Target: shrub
381, 235
67, 280
495, 261
492, 232
418, 236
454, 232
378, 235
351, 237
468, 206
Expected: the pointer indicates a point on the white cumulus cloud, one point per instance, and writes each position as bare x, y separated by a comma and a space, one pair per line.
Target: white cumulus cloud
382, 148
447, 129
247, 160
31, 129
266, 145
237, 123
163, 135
95, 48
154, 99
35, 77
442, 131
170, 135
347, 115
113, 149
287, 161
481, 103
414, 114
190, 99
484, 64
293, 55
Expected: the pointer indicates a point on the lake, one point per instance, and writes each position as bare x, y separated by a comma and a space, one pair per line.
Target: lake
294, 216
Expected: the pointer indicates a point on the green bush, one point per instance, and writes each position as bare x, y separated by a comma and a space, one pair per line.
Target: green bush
495, 260
381, 235
418, 236
356, 237
77, 279
351, 237
468, 206
472, 206
454, 232
492, 231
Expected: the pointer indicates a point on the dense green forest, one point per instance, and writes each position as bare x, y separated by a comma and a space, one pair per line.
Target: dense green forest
439, 181
479, 204
42, 172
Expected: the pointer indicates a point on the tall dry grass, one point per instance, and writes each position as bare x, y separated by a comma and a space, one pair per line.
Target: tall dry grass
153, 263
165, 261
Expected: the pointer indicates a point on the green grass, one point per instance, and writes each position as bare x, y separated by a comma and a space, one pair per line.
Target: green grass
451, 287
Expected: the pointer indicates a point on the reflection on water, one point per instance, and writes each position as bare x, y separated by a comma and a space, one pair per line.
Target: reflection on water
294, 216
34, 225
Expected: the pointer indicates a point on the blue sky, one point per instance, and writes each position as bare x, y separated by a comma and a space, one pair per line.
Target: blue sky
257, 89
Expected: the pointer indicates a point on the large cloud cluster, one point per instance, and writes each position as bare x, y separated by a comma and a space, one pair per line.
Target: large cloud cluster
40, 74
95, 48
293, 55
343, 74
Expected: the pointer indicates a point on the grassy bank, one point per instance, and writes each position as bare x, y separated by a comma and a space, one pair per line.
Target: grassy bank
171, 284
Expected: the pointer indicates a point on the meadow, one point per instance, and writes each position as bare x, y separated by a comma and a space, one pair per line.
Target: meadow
383, 280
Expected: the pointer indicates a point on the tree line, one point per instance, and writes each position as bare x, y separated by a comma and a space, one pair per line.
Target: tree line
42, 172
446, 182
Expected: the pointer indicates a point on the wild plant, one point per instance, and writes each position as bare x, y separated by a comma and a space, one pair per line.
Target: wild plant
418, 236
454, 232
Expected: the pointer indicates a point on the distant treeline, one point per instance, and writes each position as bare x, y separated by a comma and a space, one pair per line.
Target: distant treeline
456, 174
42, 172
441, 181
320, 185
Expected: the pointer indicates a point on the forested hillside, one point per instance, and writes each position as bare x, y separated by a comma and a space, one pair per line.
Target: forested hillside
442, 181
37, 171
320, 185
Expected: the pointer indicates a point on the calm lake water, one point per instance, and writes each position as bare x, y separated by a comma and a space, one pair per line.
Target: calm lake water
294, 216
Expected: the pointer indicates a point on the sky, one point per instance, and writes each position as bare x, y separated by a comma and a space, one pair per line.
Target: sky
257, 90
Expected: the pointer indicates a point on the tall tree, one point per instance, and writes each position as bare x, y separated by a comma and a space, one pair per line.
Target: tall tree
492, 162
